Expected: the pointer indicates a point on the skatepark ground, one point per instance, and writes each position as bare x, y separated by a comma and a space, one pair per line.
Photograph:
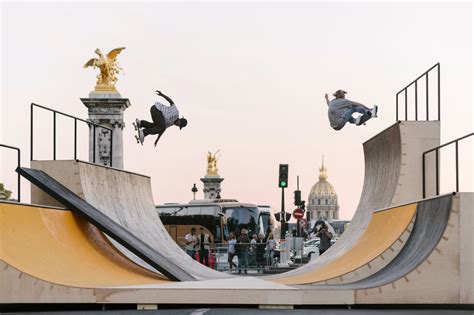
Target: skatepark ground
209, 310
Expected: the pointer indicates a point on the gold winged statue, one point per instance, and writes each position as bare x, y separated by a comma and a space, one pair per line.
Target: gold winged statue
212, 163
109, 68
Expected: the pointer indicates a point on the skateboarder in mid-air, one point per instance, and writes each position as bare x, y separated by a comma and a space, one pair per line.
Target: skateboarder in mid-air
163, 117
341, 109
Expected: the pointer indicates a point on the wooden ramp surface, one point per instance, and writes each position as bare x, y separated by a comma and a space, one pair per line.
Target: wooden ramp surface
58, 247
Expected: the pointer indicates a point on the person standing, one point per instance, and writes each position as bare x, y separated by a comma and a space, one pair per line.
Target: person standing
253, 251
271, 247
204, 245
231, 251
260, 257
190, 241
324, 238
243, 242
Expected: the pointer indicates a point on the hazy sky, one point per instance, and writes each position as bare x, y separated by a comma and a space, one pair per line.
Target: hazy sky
249, 77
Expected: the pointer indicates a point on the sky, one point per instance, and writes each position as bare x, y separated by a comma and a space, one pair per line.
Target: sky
250, 77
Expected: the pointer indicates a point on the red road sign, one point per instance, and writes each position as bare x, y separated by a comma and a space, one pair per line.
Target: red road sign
298, 214
303, 223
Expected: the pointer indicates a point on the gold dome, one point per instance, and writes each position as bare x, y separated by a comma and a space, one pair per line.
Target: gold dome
322, 188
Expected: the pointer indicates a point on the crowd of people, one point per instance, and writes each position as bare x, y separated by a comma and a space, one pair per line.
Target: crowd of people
257, 251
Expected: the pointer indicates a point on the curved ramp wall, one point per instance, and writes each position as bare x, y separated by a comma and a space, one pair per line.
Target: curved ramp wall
434, 267
371, 250
393, 176
58, 247
127, 199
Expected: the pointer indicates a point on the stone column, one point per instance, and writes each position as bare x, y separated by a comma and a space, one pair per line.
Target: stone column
212, 186
106, 109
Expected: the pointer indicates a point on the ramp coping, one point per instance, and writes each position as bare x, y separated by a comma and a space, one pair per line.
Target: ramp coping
417, 201
100, 165
34, 205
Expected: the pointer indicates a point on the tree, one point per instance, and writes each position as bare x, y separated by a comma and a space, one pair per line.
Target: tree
4, 193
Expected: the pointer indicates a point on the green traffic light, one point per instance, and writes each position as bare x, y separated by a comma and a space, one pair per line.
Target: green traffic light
282, 184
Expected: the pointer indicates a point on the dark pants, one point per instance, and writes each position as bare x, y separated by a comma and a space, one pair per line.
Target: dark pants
204, 254
158, 124
243, 260
230, 260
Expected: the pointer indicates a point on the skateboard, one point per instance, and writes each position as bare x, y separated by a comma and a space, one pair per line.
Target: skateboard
364, 118
135, 124
138, 138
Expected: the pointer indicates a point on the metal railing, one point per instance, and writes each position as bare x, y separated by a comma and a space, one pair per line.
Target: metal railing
18, 165
76, 119
256, 261
436, 150
427, 103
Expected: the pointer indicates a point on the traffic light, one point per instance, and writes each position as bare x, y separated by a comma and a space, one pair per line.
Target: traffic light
283, 176
277, 216
297, 197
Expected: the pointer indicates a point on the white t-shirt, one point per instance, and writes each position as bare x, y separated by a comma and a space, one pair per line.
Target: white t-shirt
271, 244
232, 246
192, 239
170, 113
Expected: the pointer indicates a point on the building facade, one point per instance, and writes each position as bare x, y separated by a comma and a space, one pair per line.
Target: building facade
322, 200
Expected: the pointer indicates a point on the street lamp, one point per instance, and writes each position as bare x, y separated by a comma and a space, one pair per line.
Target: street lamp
194, 190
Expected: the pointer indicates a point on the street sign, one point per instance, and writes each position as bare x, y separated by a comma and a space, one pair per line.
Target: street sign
298, 214
303, 223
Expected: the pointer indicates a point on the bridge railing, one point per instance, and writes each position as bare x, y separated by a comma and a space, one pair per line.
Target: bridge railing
18, 165
76, 119
414, 85
436, 152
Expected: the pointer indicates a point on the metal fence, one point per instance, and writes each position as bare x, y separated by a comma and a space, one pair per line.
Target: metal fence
18, 165
436, 151
253, 259
76, 119
414, 83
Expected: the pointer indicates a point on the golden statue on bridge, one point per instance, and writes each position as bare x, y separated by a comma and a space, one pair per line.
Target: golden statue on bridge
109, 68
212, 163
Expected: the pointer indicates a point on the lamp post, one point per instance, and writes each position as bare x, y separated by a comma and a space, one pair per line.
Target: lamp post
194, 190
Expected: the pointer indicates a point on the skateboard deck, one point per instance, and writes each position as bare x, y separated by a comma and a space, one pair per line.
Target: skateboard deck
138, 138
135, 124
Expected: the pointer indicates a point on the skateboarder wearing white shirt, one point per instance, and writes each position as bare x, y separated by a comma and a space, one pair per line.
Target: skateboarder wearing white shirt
341, 109
163, 117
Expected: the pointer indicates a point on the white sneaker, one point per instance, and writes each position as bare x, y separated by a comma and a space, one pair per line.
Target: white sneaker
141, 136
374, 111
358, 119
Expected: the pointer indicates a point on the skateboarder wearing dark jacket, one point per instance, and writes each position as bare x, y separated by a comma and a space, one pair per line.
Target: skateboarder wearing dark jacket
340, 111
163, 117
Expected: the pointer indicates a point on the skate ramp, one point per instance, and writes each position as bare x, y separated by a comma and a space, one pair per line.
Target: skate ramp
431, 221
56, 246
382, 236
104, 223
392, 177
127, 199
433, 267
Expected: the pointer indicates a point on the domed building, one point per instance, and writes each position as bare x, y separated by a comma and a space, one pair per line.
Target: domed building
322, 200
